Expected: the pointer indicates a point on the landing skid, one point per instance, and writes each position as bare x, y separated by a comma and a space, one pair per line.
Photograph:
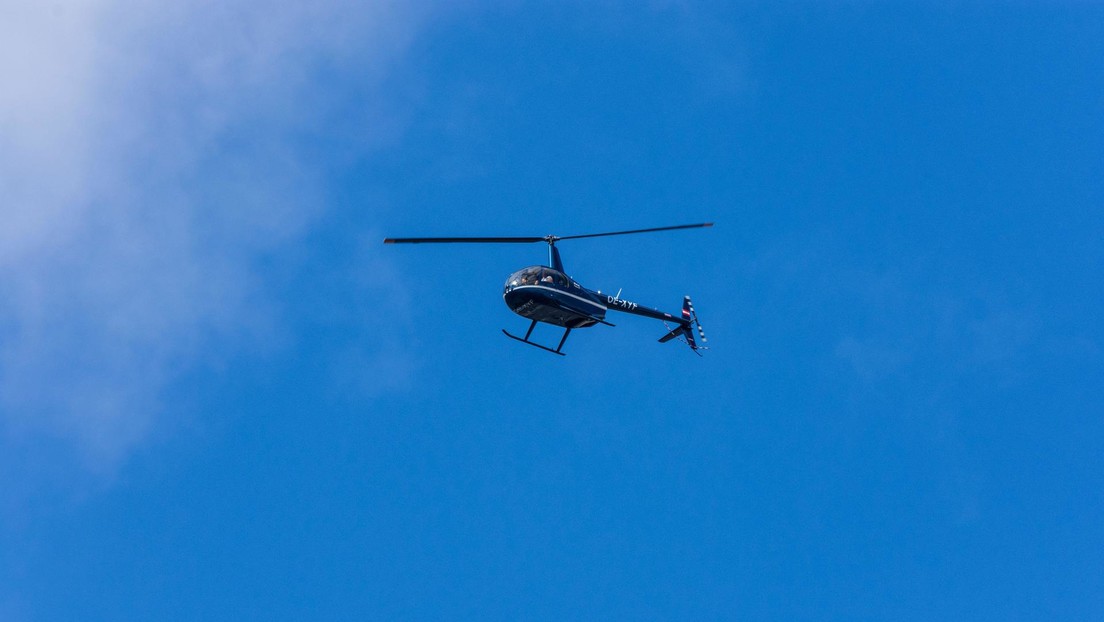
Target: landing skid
537, 345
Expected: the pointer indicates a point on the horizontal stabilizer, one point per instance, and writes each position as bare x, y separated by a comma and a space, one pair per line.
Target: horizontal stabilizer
671, 335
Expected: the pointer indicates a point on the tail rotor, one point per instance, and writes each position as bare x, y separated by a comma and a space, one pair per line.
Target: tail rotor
685, 330
690, 315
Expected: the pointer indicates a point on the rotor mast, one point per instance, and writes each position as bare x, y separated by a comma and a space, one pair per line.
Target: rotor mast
554, 260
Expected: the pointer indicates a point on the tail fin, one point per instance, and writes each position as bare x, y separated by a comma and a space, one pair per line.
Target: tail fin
685, 329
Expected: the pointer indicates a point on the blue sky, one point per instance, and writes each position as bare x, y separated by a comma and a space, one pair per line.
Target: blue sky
221, 397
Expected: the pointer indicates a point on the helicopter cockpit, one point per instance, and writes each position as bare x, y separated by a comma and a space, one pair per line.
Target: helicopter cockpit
538, 275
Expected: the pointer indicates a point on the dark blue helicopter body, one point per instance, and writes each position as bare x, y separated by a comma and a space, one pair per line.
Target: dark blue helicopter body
546, 294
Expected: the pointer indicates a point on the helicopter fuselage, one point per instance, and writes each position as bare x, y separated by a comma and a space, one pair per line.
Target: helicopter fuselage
547, 295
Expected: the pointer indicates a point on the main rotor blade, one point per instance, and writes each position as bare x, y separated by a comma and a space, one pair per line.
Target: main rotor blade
599, 235
514, 240
529, 239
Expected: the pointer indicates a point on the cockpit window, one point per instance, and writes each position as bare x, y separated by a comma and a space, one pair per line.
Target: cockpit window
538, 275
530, 276
552, 277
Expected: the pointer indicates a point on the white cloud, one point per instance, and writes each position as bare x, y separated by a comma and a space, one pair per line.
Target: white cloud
150, 153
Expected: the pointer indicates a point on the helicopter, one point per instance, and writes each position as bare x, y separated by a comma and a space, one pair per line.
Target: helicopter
547, 294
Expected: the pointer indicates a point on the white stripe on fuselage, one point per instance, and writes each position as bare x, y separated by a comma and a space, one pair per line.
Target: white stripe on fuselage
560, 291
